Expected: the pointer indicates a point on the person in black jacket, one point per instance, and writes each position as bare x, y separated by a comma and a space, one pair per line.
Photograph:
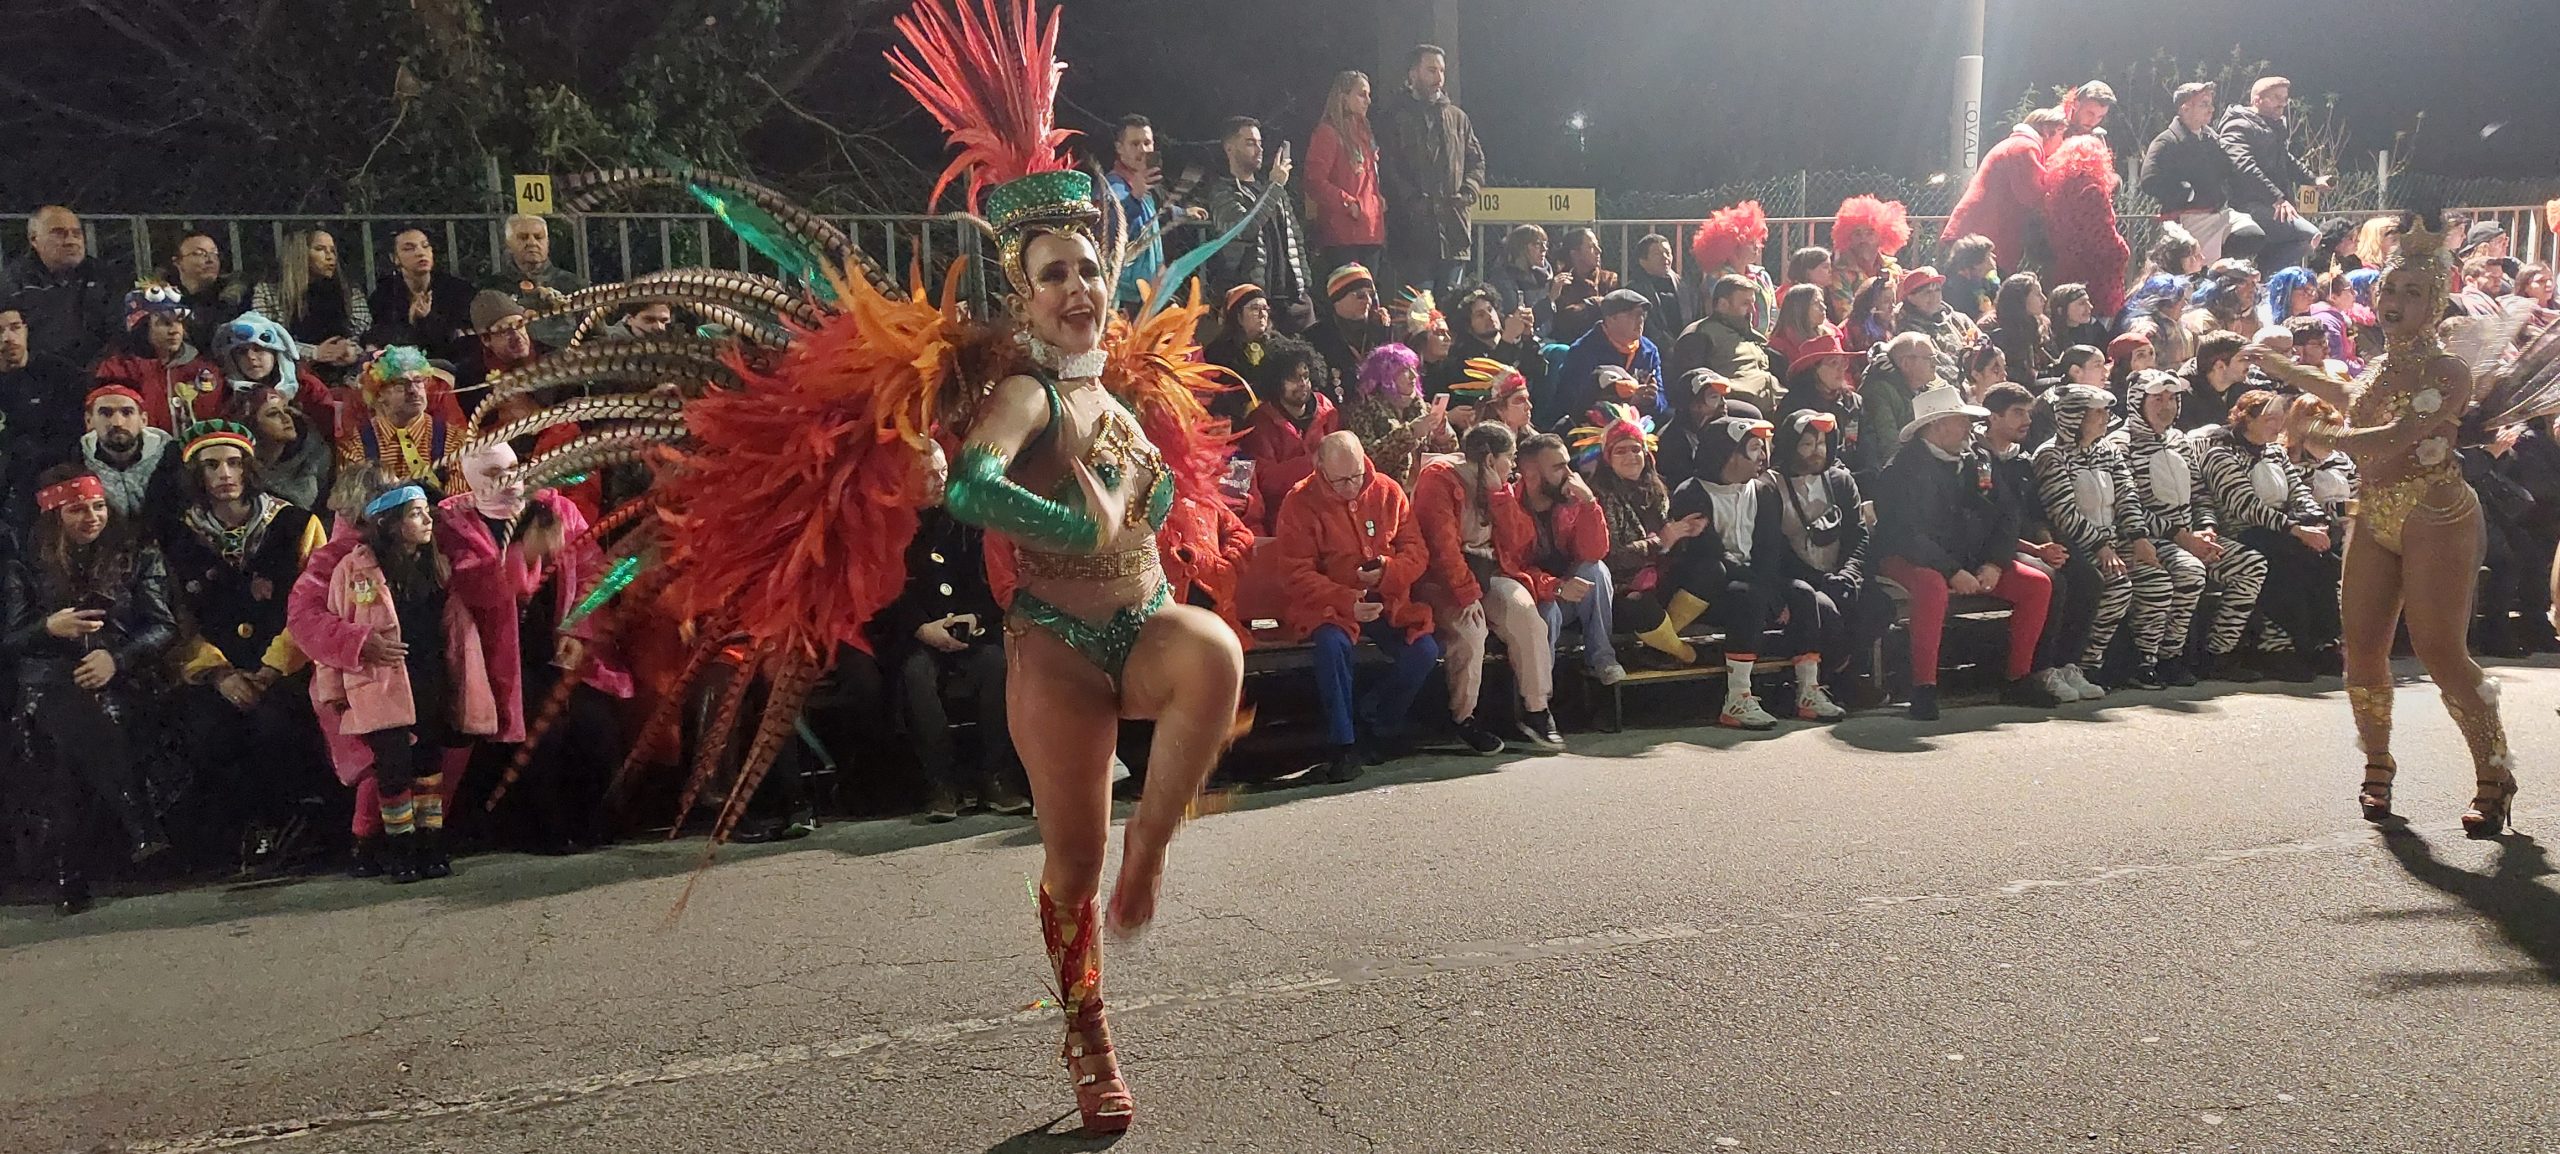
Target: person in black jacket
416, 304
73, 302
245, 705
1829, 528
1745, 530
40, 417
87, 612
2076, 585
1699, 399
942, 645
2256, 137
2190, 172
1945, 531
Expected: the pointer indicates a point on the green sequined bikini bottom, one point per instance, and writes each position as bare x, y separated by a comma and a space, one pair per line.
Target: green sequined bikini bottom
1105, 643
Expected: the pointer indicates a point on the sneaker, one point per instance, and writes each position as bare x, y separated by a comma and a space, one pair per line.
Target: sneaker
2030, 691
2080, 684
1478, 739
2052, 681
1347, 765
941, 805
1924, 703
1813, 704
2236, 667
1610, 674
1744, 712
2174, 672
2145, 676
1001, 799
1539, 727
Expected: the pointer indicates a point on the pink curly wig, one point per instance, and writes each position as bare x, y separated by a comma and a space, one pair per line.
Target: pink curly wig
1385, 367
1731, 236
1871, 218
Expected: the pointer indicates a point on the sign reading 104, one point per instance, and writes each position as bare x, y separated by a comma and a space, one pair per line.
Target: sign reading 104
1537, 205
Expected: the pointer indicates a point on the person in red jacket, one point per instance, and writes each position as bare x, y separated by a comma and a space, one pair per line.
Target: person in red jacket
1349, 554
179, 385
1569, 548
2005, 201
1479, 584
1342, 178
1280, 434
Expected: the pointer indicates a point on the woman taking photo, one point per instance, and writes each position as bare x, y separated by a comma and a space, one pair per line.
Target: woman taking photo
88, 613
1342, 178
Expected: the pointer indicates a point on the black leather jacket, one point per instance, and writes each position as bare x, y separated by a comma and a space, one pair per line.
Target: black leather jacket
139, 625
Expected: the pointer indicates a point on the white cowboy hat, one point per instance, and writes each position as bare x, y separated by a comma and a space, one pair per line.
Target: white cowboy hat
1943, 401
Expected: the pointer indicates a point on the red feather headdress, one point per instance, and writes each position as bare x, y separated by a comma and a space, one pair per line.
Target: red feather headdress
1731, 236
988, 71
1872, 218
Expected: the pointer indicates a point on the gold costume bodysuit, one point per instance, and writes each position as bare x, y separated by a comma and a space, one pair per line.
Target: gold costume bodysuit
2434, 493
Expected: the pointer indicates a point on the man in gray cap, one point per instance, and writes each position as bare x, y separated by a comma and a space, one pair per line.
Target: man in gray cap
1617, 341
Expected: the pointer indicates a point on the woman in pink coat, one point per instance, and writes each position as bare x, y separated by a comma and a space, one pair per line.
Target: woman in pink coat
416, 688
1342, 179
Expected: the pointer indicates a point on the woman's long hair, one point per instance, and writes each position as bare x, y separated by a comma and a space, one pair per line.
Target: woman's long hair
1484, 441
1800, 315
403, 565
72, 572
1647, 490
1350, 128
293, 279
1867, 322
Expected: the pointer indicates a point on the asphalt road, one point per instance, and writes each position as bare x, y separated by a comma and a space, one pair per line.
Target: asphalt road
2155, 925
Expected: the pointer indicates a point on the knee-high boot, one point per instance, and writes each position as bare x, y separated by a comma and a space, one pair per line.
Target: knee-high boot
1073, 934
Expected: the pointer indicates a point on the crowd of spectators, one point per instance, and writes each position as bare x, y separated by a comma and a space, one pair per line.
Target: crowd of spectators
254, 599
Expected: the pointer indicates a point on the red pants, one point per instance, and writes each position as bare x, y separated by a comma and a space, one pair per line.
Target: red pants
2027, 592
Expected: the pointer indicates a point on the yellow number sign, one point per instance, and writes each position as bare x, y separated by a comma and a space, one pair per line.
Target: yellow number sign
1538, 205
533, 194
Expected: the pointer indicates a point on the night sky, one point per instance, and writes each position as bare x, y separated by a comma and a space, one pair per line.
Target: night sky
1685, 94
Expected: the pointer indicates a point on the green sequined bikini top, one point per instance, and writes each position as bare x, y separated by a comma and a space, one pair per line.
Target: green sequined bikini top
1118, 444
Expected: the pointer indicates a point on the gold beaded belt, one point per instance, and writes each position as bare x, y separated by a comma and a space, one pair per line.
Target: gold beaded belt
1036, 566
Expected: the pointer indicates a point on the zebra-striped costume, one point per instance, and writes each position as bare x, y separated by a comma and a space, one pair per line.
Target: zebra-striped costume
2169, 474
2257, 487
2089, 501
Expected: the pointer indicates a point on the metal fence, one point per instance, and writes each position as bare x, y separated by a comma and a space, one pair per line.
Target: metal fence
2526, 224
613, 246
597, 246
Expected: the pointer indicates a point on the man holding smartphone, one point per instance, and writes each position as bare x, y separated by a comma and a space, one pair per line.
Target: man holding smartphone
1268, 252
941, 645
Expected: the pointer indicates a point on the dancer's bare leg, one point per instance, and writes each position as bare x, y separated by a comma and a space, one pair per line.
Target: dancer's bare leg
1184, 675
1065, 723
2369, 613
2439, 577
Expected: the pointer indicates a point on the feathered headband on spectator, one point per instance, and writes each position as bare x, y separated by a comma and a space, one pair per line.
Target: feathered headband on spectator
1419, 313
1863, 218
1489, 382
1591, 443
1731, 236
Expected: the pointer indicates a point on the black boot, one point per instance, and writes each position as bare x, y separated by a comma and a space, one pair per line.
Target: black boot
366, 862
149, 840
1924, 703
400, 858
2174, 672
432, 860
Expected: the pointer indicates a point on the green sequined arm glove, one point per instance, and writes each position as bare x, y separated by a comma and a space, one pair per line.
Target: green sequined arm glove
980, 494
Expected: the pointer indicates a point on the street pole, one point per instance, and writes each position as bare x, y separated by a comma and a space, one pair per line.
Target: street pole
1967, 122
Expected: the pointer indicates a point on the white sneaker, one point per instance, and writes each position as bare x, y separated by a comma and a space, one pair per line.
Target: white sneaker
1610, 674
1813, 703
2053, 682
1745, 713
2080, 683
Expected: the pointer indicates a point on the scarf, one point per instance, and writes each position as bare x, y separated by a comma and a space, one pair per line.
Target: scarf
234, 545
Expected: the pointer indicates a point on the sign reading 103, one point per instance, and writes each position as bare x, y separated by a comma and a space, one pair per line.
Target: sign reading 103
1537, 205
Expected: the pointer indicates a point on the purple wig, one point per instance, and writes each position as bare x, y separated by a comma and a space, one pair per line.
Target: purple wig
1386, 364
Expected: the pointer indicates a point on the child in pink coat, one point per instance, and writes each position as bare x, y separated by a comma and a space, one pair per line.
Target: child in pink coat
418, 685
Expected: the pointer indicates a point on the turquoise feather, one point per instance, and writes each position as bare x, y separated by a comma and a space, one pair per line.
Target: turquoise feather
768, 236
1180, 271
617, 579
